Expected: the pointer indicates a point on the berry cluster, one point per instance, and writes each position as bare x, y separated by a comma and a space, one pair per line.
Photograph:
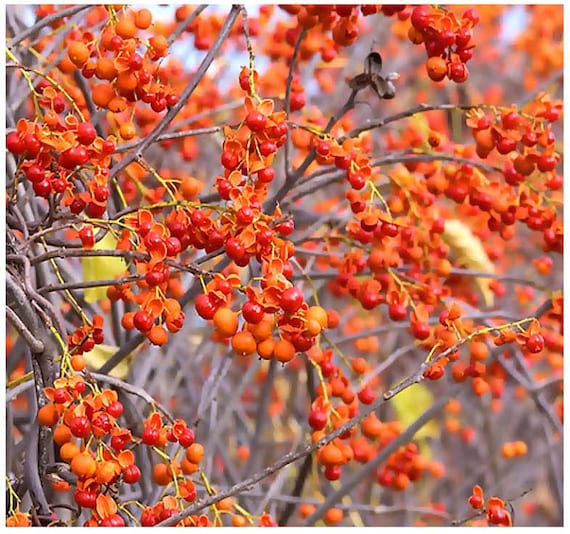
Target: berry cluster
494, 508
99, 451
447, 40
526, 139
335, 403
116, 58
52, 153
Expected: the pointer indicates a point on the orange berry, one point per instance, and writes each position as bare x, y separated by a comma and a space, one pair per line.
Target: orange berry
78, 362
84, 465
68, 451
401, 481
436, 469
508, 450
443, 267
61, 434
47, 415
191, 187
484, 139
117, 104
159, 44
106, 472
330, 454
243, 343
479, 350
239, 521
157, 335
318, 314
480, 386
305, 510
126, 82
78, 53
313, 327
266, 347
225, 505
105, 69
143, 19
66, 65
261, 330
125, 28
359, 366
127, 320
162, 474
102, 94
127, 130
333, 516
187, 466
195, 453
333, 318
284, 351
243, 453
371, 426
226, 322
436, 68
520, 448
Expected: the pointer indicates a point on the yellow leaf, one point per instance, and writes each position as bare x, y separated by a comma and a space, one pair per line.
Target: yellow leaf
469, 250
101, 353
101, 268
409, 404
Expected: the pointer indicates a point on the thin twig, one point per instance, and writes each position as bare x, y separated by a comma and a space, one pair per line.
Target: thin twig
46, 21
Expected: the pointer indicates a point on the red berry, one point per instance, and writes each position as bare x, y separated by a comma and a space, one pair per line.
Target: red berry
266, 175
546, 163
476, 501
472, 15
286, 228
397, 311
205, 307
323, 148
143, 320
244, 215
230, 160
357, 181
458, 72
255, 121
535, 343
317, 419
86, 133
291, 300
186, 438
33, 146
333, 472
267, 147
420, 17
80, 426
115, 409
366, 395
252, 312
131, 474
420, 330
14, 144
150, 436
234, 249
297, 101
85, 499
511, 120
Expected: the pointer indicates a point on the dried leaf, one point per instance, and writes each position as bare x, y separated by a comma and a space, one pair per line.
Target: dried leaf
469, 250
101, 268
